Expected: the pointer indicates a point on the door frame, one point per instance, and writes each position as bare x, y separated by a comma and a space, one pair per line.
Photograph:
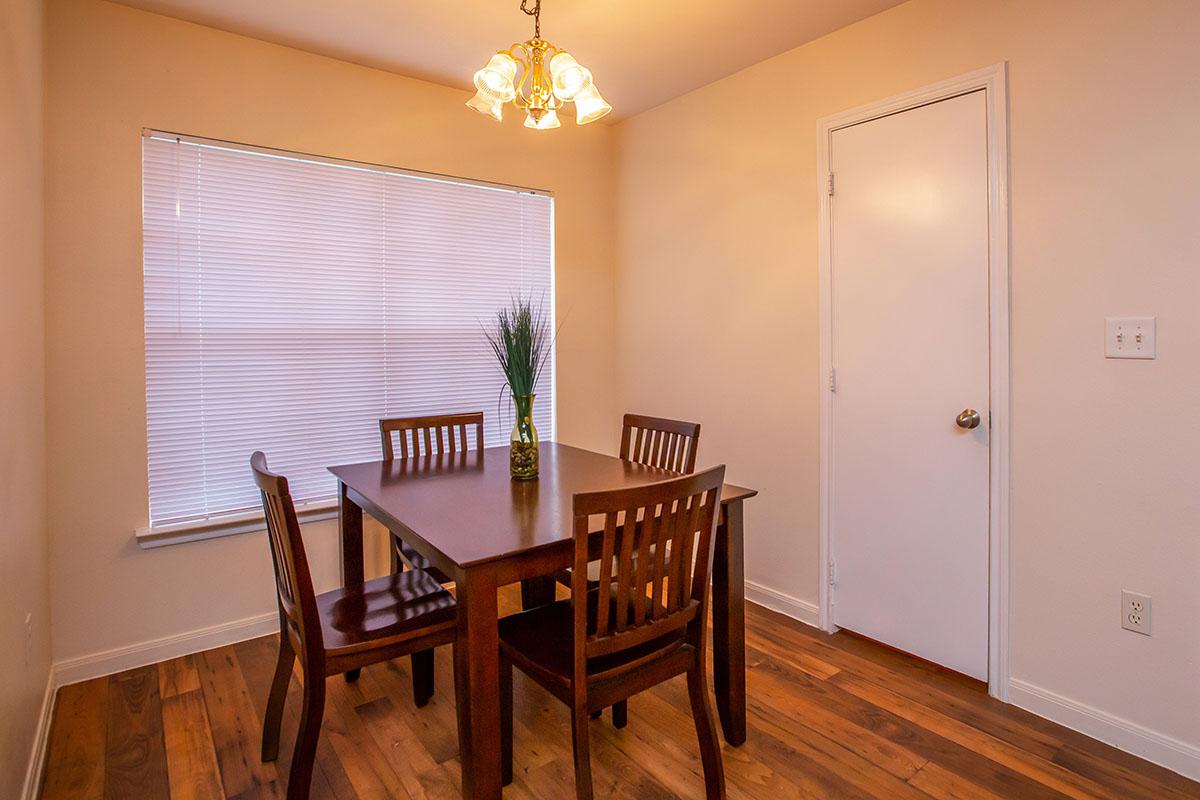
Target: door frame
993, 80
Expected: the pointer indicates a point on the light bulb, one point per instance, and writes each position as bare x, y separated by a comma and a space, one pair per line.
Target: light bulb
590, 106
486, 106
496, 79
568, 77
548, 121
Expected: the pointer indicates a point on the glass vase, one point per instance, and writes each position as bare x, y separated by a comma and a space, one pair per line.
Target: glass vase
523, 450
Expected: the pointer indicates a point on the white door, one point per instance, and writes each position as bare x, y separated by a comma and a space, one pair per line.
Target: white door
909, 291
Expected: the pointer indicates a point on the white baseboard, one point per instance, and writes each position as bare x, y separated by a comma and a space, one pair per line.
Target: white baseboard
776, 600
120, 659
1131, 737
37, 755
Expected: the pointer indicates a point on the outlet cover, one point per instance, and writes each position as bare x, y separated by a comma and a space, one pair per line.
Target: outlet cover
1135, 612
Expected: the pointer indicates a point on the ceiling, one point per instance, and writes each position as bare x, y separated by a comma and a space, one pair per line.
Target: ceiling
642, 52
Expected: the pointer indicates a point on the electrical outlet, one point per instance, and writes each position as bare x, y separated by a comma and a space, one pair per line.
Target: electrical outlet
1135, 612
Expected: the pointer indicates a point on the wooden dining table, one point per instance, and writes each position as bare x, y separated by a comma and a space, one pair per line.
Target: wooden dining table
464, 513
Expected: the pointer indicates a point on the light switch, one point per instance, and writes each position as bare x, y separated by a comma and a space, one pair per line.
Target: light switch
1129, 337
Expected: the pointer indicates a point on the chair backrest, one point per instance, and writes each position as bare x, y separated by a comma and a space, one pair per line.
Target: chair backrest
293, 581
446, 433
656, 442
647, 564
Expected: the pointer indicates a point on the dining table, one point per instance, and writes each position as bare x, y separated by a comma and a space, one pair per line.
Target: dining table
465, 514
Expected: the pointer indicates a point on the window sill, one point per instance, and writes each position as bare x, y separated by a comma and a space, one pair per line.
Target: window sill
228, 525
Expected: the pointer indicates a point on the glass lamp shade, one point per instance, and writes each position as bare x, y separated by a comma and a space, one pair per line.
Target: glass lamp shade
548, 121
567, 77
590, 106
486, 106
495, 81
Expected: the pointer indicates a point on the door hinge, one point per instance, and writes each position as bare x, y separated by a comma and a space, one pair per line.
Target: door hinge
833, 380
832, 574
830, 184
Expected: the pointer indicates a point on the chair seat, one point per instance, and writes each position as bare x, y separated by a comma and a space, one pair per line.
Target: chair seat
390, 609
540, 640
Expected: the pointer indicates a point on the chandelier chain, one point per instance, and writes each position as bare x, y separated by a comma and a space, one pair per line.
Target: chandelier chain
536, 13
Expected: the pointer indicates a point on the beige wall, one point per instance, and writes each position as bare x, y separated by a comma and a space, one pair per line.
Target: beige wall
717, 211
113, 70
24, 576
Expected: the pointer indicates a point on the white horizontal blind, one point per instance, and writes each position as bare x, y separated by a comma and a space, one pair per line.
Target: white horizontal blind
290, 303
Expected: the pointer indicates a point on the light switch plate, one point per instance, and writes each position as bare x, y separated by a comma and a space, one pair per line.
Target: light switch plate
1129, 337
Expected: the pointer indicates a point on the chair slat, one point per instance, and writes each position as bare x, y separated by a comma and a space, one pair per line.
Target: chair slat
650, 522
606, 571
625, 568
666, 530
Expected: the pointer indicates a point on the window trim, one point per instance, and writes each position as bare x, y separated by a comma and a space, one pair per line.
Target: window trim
221, 525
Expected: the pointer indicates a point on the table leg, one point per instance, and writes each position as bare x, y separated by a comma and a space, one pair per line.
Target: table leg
350, 526
729, 624
477, 684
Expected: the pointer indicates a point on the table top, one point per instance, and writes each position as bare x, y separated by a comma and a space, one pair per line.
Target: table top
469, 508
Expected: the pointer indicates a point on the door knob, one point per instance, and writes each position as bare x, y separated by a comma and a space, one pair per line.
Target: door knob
969, 418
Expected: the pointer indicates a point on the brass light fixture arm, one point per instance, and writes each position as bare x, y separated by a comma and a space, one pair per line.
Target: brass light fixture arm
534, 52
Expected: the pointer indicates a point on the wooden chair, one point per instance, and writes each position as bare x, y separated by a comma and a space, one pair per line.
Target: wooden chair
645, 624
440, 435
657, 442
668, 444
345, 629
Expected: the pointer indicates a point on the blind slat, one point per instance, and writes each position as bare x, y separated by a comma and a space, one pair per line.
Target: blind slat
291, 303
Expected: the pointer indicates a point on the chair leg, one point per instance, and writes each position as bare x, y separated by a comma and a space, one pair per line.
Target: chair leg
620, 712
506, 721
706, 732
597, 714
583, 753
277, 698
422, 677
300, 778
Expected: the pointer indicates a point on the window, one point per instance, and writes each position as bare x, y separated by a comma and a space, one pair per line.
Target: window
291, 301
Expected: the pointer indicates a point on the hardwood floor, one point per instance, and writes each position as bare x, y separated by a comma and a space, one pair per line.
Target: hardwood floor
829, 717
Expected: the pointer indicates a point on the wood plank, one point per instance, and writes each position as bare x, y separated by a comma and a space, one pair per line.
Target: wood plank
370, 771
236, 727
178, 676
135, 753
942, 784
191, 756
78, 742
1044, 772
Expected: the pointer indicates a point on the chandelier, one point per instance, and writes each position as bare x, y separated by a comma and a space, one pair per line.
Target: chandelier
549, 79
